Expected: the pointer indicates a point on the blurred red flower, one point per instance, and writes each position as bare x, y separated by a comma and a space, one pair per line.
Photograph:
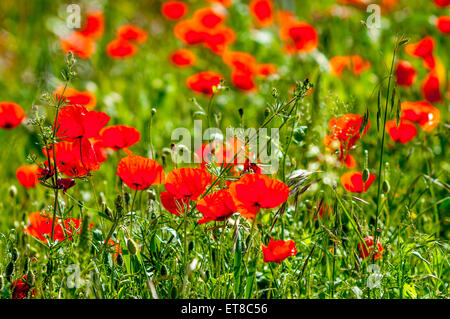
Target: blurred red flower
183, 58
405, 73
131, 32
403, 133
79, 44
442, 3
366, 252
174, 10
203, 82
353, 182
74, 97
208, 17
120, 49
299, 37
431, 87
423, 49
262, 12
94, 26
119, 136
421, 112
255, 191
40, 227
216, 206
443, 24
278, 250
28, 175
11, 115
139, 172
355, 63
173, 205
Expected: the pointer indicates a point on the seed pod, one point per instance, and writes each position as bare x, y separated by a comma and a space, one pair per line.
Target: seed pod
9, 270
12, 191
386, 187
365, 175
132, 247
119, 204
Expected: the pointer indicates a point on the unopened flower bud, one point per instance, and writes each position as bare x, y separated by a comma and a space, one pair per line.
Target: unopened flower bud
132, 247
365, 175
12, 191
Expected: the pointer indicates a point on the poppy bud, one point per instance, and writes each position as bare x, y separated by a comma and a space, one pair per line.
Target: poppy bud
266, 112
108, 212
241, 112
365, 175
386, 187
12, 191
9, 270
14, 254
119, 260
127, 198
153, 111
119, 204
132, 247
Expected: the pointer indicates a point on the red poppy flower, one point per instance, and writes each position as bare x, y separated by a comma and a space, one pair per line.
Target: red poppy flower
345, 130
241, 62
203, 82
324, 210
41, 226
20, 289
187, 183
431, 87
423, 113
79, 44
94, 26
131, 32
190, 32
116, 247
76, 122
266, 69
350, 162
119, 136
443, 24
99, 149
405, 131
364, 252
11, 115
139, 173
75, 158
405, 73
120, 49
255, 191
355, 63
173, 205
208, 17
74, 97
278, 250
262, 11
28, 175
183, 58
216, 206
219, 38
442, 3
299, 36
174, 10
423, 49
353, 182
243, 81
